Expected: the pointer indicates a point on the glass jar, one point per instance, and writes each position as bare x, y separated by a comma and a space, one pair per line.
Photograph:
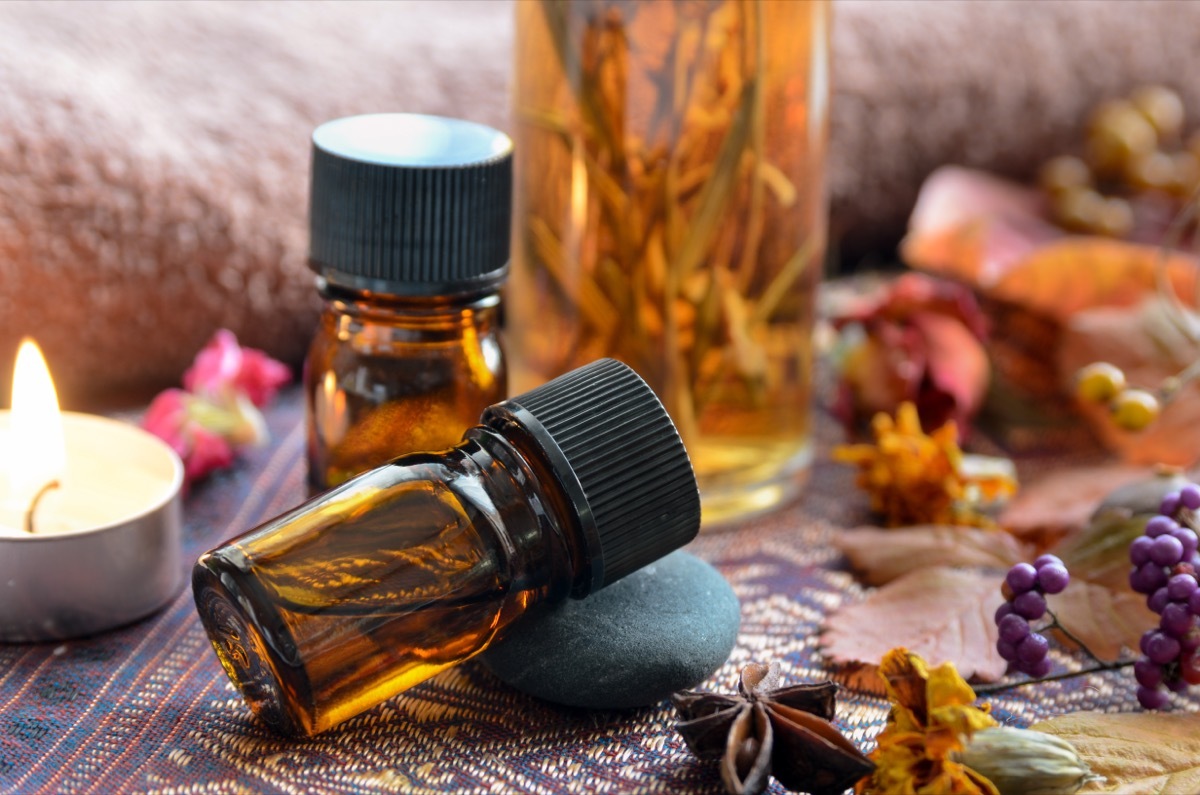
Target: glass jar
671, 212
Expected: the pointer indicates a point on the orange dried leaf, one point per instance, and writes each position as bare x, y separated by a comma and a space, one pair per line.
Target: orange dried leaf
1061, 501
942, 614
880, 556
995, 235
1147, 347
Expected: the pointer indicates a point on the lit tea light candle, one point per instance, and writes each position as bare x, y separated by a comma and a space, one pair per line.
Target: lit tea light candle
90, 526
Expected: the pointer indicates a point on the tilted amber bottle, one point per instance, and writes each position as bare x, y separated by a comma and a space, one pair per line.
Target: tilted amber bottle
409, 235
420, 564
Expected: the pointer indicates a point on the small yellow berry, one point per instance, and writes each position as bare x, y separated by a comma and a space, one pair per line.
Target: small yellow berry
1162, 107
1115, 219
1134, 409
1063, 173
1117, 134
1151, 171
1078, 209
1099, 382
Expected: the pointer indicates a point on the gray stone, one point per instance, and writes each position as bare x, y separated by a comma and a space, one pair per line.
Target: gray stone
664, 628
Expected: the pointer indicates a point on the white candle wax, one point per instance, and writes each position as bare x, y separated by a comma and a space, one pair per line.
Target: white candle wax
114, 472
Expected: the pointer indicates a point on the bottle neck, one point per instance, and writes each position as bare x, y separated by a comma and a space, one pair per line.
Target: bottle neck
478, 311
523, 485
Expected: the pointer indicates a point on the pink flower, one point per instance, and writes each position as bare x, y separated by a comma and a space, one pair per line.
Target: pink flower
224, 367
219, 410
920, 340
171, 418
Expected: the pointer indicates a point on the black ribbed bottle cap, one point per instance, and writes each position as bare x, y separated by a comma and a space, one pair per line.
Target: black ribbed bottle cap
619, 458
410, 205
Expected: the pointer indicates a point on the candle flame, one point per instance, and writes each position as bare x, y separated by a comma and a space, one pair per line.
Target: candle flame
39, 451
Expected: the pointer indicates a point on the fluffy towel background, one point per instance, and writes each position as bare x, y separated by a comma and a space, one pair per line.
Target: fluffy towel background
154, 156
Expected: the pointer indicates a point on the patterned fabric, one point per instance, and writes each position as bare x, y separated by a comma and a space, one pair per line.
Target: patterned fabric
147, 709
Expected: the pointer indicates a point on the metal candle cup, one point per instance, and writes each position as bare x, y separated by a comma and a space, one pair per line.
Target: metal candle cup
107, 544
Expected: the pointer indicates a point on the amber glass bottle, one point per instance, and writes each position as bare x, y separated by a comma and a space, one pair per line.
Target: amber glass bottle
409, 236
418, 565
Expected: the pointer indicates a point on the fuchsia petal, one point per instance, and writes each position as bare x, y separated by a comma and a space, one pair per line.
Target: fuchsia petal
166, 418
225, 366
209, 452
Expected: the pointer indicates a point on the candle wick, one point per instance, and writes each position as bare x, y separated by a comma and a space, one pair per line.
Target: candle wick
33, 504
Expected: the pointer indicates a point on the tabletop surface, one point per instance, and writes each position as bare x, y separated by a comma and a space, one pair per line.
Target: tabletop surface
148, 709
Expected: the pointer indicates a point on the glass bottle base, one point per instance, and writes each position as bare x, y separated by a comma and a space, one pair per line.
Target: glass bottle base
750, 482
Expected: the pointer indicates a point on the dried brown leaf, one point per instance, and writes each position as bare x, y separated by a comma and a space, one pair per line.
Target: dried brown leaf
1061, 501
1103, 618
940, 613
880, 556
1139, 753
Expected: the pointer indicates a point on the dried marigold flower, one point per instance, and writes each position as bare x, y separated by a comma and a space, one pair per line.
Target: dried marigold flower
918, 478
932, 716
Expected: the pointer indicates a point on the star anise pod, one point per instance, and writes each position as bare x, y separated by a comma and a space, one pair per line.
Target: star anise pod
767, 730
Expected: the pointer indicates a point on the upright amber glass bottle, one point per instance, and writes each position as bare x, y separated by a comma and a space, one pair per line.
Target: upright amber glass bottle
671, 212
408, 569
409, 236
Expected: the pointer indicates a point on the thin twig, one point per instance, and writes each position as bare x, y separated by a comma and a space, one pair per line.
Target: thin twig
987, 690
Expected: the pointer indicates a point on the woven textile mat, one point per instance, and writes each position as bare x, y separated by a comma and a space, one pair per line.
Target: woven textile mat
148, 709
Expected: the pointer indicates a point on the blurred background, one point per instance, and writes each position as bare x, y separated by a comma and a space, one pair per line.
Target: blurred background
154, 155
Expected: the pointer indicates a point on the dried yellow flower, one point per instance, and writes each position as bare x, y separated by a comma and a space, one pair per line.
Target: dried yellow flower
933, 713
918, 478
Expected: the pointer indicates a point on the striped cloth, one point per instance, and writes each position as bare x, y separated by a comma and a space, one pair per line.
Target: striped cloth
148, 709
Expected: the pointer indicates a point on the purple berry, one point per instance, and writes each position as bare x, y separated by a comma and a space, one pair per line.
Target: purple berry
1189, 496
1139, 550
1053, 578
1176, 685
1191, 640
1013, 629
1030, 605
1032, 649
1160, 526
1160, 647
1176, 620
1048, 560
1188, 538
1167, 551
1148, 674
1158, 600
1036, 669
1007, 651
1023, 576
1181, 586
1169, 504
1152, 698
1194, 603
1155, 575
1147, 578
1003, 610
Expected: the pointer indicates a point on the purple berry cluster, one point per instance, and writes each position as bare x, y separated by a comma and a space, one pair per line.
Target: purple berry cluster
1024, 589
1165, 562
